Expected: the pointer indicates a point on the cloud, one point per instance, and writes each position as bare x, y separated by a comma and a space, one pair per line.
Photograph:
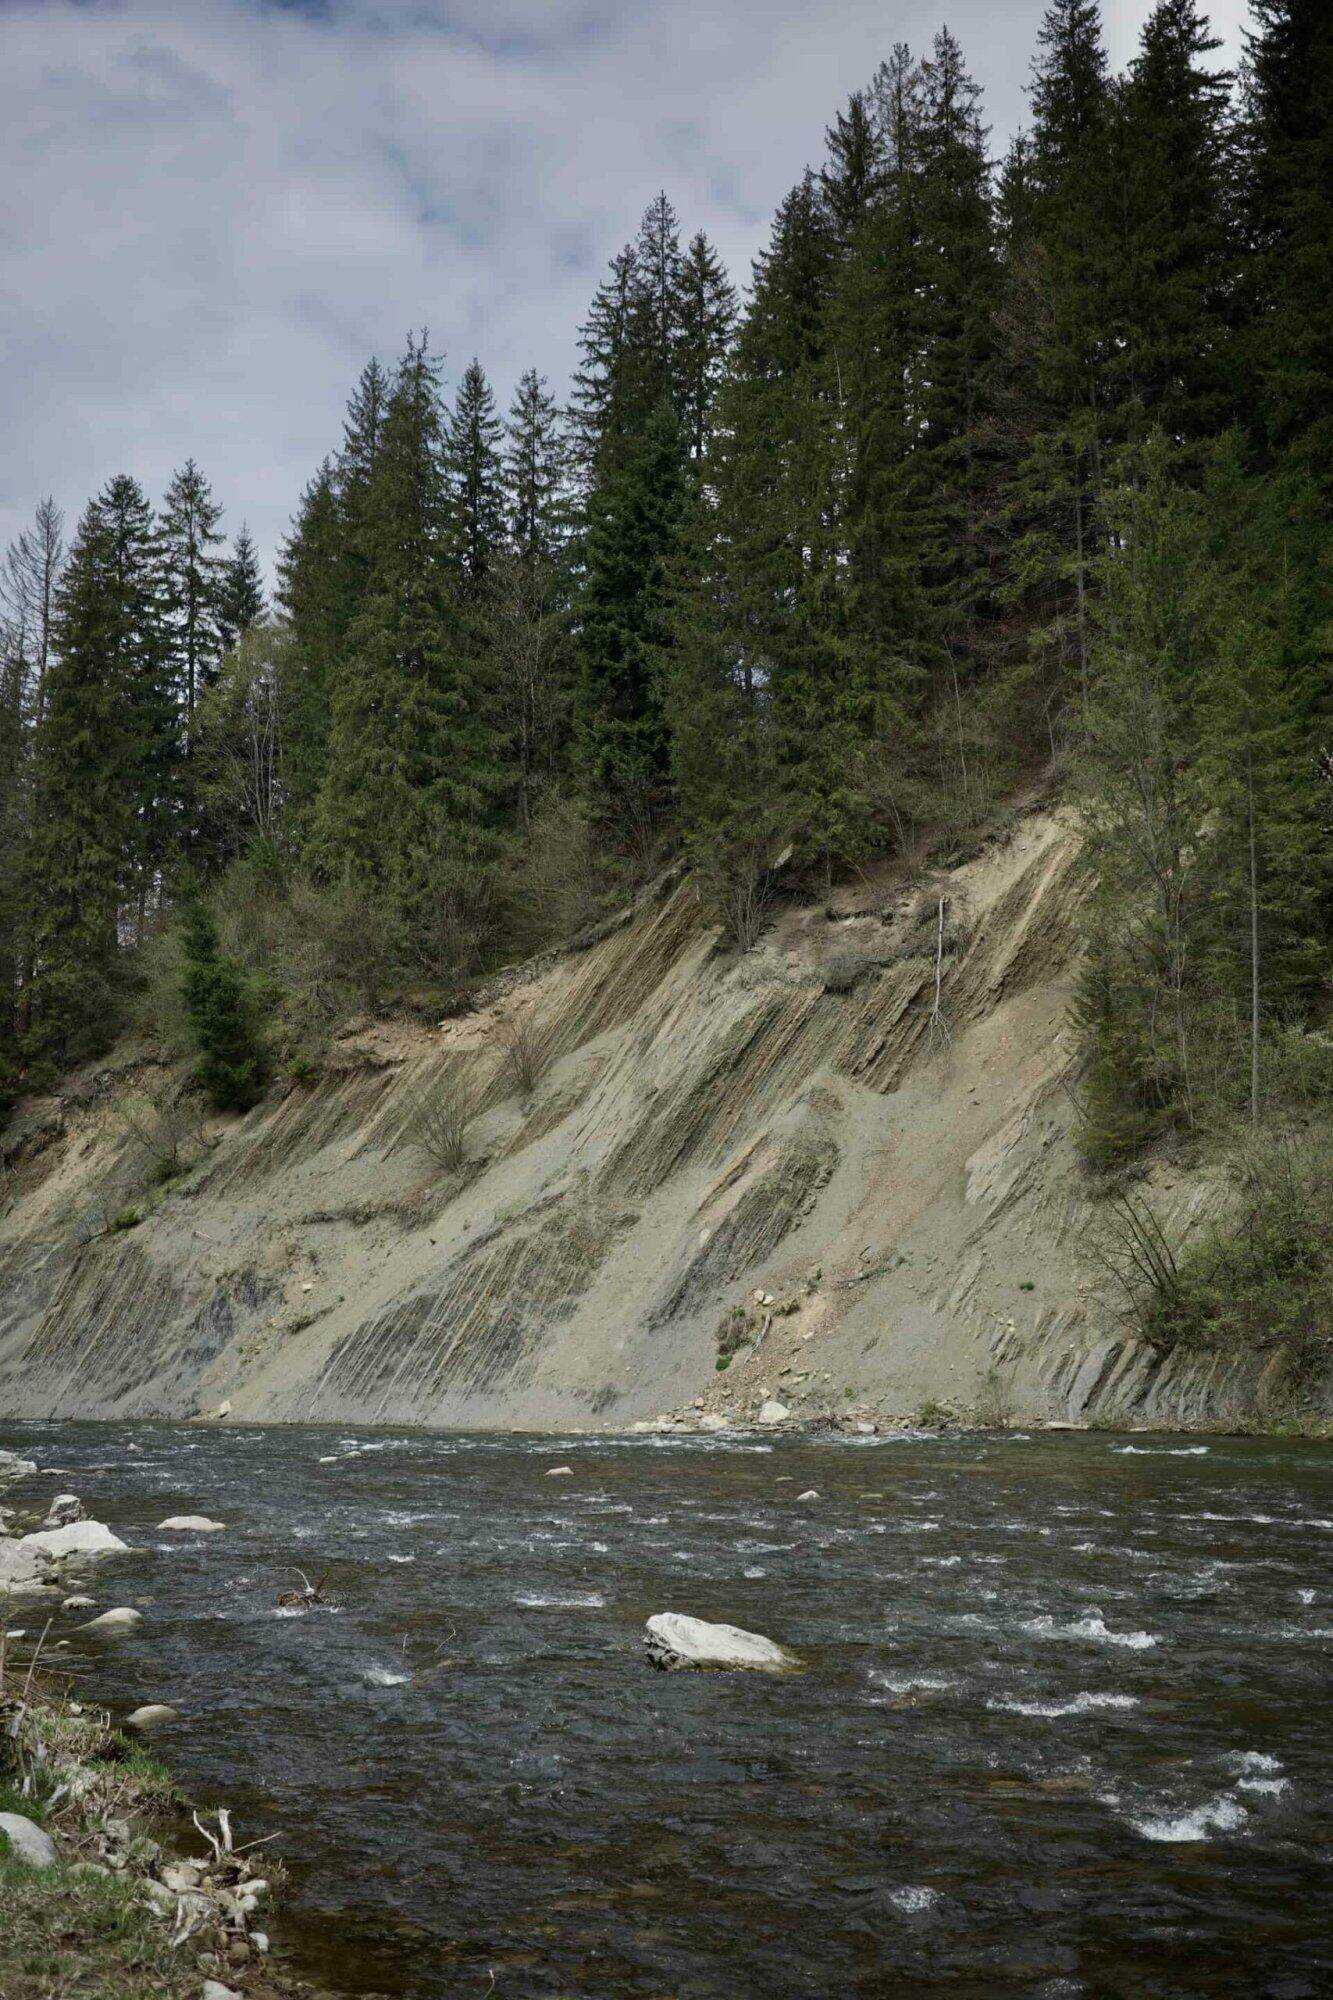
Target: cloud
214, 211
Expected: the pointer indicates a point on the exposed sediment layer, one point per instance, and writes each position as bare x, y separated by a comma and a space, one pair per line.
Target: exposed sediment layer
864, 1120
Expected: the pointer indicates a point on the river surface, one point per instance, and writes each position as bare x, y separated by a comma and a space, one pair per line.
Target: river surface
1064, 1728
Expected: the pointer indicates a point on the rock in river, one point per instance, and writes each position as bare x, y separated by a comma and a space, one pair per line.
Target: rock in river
66, 1507
79, 1538
27, 1841
122, 1619
14, 1468
191, 1524
20, 1566
675, 1640
153, 1715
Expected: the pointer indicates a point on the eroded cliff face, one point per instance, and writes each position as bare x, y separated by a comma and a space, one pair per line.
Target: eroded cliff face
851, 1176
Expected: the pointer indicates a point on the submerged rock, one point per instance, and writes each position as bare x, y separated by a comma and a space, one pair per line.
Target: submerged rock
190, 1524
27, 1841
675, 1640
79, 1538
121, 1619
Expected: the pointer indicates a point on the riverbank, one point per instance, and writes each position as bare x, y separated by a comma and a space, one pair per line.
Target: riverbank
112, 1887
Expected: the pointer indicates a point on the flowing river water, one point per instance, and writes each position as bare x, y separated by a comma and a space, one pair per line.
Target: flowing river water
1064, 1728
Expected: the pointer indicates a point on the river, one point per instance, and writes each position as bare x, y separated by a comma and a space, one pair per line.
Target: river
1064, 1728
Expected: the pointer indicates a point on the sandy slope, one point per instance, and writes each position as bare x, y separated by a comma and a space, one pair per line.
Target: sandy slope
801, 1123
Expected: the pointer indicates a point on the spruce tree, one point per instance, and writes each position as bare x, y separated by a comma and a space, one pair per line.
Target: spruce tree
655, 315
1288, 213
190, 539
535, 472
411, 767
634, 521
706, 311
313, 606
1053, 412
850, 178
475, 474
241, 591
604, 405
1175, 271
142, 658
84, 833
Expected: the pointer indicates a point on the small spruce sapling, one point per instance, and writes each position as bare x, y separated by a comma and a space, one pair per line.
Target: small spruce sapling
232, 1067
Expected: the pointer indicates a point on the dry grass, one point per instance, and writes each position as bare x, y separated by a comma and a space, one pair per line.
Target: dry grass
522, 1055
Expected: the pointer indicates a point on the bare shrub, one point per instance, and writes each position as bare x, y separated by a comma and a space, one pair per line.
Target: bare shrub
164, 1127
521, 1053
744, 900
438, 1121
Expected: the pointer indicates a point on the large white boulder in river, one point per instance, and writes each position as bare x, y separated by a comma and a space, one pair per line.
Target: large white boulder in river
123, 1619
13, 1468
675, 1640
19, 1565
78, 1538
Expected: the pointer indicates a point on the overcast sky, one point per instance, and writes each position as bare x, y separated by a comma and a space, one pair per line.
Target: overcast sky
212, 211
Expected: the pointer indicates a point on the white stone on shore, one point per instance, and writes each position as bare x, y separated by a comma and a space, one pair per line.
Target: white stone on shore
27, 1841
712, 1421
79, 1538
153, 1715
190, 1524
121, 1619
675, 1640
215, 1990
774, 1412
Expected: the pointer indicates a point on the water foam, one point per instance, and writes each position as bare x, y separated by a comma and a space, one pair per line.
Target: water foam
1219, 1815
913, 1899
1091, 1626
1079, 1704
540, 1600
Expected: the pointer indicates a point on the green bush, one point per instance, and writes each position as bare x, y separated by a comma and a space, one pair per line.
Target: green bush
1260, 1278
